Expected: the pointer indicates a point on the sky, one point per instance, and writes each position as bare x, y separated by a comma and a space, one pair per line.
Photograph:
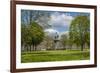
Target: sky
59, 21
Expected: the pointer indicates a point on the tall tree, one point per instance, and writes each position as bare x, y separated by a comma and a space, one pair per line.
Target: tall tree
25, 36
37, 34
41, 17
79, 31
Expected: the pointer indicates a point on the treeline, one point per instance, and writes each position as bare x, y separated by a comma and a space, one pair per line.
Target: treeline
31, 36
32, 31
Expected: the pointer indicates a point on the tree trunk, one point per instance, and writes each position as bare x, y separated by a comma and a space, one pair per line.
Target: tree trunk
30, 48
33, 47
64, 47
27, 47
82, 46
70, 47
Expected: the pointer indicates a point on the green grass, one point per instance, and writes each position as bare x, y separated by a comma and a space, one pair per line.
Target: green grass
54, 55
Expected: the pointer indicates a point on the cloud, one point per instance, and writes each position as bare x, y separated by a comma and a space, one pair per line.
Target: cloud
52, 33
60, 21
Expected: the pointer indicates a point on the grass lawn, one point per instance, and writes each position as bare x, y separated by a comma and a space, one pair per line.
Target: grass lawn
54, 55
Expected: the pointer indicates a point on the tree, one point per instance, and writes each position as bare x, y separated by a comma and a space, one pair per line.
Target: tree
64, 40
48, 42
32, 34
37, 34
41, 17
32, 27
80, 31
25, 36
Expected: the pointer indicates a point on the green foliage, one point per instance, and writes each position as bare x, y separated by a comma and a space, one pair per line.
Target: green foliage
37, 33
25, 35
31, 34
80, 31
